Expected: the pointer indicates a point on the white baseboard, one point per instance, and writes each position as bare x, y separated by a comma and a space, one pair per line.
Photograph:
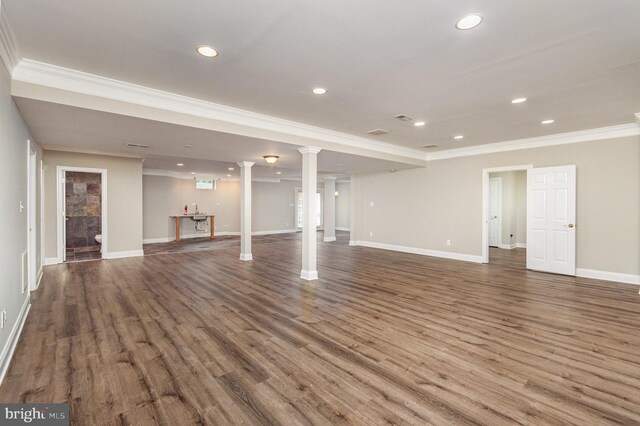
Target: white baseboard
420, 251
608, 276
52, 261
246, 256
343, 229
508, 246
309, 275
12, 342
329, 239
353, 243
217, 234
521, 245
122, 254
39, 277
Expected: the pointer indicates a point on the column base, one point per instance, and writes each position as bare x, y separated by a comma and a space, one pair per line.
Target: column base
309, 275
246, 256
353, 243
329, 239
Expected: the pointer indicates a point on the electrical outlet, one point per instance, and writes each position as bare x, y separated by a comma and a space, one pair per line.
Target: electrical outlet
371, 234
371, 203
448, 242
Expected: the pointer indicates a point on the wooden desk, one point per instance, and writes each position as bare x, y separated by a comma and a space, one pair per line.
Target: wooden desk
179, 217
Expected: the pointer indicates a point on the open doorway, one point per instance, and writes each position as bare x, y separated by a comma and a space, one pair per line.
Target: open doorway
82, 214
505, 215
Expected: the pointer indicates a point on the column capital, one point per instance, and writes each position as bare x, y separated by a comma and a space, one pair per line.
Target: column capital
245, 163
330, 178
309, 150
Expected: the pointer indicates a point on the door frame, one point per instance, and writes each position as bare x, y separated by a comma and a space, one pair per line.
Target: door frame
32, 228
60, 213
485, 202
499, 179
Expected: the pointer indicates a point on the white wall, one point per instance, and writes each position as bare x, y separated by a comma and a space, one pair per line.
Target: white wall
124, 198
343, 205
423, 208
14, 151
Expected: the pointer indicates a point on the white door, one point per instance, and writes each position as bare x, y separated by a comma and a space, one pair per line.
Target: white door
551, 219
495, 211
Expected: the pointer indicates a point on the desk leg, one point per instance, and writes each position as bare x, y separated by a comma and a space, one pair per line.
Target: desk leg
177, 229
212, 226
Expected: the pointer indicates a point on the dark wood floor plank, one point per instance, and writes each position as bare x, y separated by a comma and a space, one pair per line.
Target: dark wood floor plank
190, 335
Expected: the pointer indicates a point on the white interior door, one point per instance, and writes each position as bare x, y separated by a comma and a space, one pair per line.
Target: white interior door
495, 211
551, 218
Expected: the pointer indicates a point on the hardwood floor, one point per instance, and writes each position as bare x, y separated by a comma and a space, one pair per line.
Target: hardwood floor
199, 337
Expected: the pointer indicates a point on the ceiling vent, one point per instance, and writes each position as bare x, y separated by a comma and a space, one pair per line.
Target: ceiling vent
430, 146
403, 117
137, 145
377, 132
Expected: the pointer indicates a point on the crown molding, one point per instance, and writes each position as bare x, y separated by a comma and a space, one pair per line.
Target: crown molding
77, 150
610, 132
8, 46
178, 175
52, 76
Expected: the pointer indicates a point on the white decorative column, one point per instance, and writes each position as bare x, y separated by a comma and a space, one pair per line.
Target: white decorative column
245, 210
309, 191
329, 209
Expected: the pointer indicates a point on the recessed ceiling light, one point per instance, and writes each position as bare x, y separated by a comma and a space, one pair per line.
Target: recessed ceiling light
458, 137
469, 21
188, 146
193, 173
518, 100
207, 51
228, 175
179, 164
231, 168
419, 123
319, 91
278, 173
547, 121
270, 159
392, 170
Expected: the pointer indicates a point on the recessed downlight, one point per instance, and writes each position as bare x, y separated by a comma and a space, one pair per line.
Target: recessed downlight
228, 175
193, 173
188, 146
278, 173
231, 169
518, 100
469, 21
207, 51
319, 91
179, 164
547, 121
419, 123
458, 137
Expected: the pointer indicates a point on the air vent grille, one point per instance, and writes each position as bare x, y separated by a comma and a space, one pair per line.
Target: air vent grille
430, 146
138, 145
403, 117
377, 132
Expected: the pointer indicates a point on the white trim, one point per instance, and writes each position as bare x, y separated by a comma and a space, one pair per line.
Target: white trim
611, 132
485, 203
60, 225
40, 274
217, 234
80, 150
309, 275
52, 261
343, 229
122, 254
521, 245
637, 115
12, 341
508, 246
353, 243
8, 47
608, 276
329, 239
39, 73
420, 251
32, 215
246, 257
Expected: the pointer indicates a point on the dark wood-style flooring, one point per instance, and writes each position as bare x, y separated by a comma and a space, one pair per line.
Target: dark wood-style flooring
198, 337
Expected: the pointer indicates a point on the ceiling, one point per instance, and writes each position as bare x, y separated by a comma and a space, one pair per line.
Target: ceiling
577, 61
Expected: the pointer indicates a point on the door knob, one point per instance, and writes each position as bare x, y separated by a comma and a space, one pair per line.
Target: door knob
571, 225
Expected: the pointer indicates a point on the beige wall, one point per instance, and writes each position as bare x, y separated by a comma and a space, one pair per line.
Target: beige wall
124, 198
343, 205
272, 205
424, 207
514, 199
14, 169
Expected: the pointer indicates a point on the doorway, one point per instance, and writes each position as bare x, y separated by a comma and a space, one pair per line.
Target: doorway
504, 236
82, 214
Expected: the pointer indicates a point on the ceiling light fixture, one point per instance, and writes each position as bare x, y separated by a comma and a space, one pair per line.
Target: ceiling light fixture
179, 164
419, 123
518, 100
458, 137
548, 121
231, 168
207, 51
188, 146
270, 159
469, 21
319, 91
